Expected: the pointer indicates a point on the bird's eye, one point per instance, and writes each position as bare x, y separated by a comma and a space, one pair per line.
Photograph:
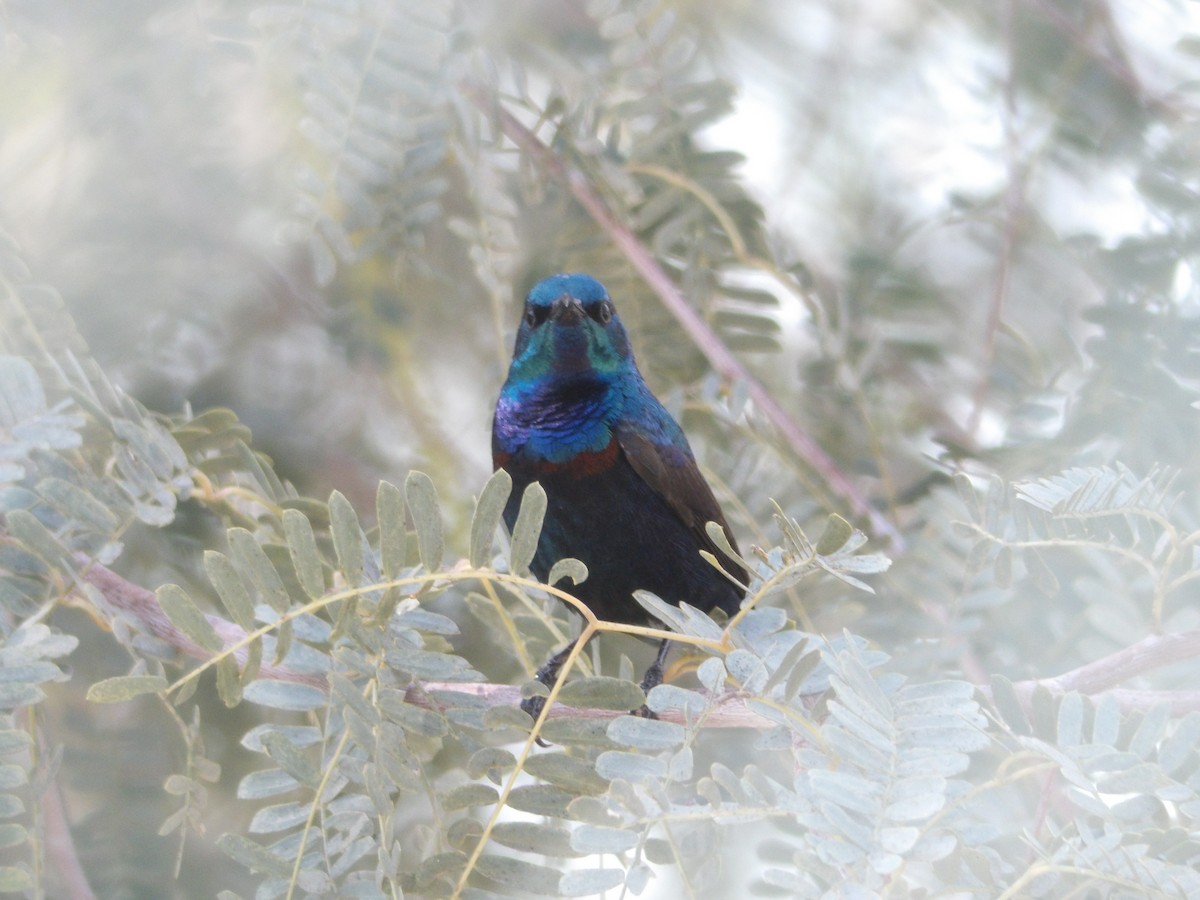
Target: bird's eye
531, 317
604, 313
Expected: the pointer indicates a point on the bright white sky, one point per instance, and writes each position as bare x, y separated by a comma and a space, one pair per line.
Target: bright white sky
939, 130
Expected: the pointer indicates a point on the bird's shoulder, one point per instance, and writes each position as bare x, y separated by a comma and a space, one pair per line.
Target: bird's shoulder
671, 472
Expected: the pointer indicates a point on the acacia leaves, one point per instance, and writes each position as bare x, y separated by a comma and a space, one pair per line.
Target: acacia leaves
375, 119
334, 632
347, 647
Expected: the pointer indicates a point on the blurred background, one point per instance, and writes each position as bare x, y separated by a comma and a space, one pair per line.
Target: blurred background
947, 236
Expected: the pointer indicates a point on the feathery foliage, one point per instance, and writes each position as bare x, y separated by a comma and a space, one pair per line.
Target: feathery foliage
931, 325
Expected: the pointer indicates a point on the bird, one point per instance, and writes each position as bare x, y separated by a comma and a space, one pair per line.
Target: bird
623, 492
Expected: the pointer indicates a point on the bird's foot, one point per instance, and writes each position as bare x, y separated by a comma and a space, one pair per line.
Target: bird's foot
533, 706
652, 679
546, 675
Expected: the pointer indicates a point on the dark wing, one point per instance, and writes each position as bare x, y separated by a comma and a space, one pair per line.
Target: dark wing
683, 487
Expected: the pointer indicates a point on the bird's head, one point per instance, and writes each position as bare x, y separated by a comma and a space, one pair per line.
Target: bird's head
569, 327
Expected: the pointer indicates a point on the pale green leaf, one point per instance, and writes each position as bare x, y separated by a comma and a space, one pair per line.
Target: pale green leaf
229, 587
291, 757
488, 510
266, 783
712, 675
718, 536
837, 532
422, 499
788, 879
592, 839
528, 877
898, 839
285, 695
847, 789
602, 692
570, 568
427, 621
306, 558
491, 761
12, 740
280, 817
468, 795
13, 880
1042, 575
187, 617
428, 665
346, 693
1151, 729
571, 773
347, 538
229, 681
178, 785
22, 396
393, 533
630, 766
1178, 746
590, 882
252, 560
254, 857
527, 529
915, 808
125, 687
33, 672
76, 503
541, 800
1070, 720
411, 718
35, 537
576, 732
661, 609
250, 668
535, 837
669, 696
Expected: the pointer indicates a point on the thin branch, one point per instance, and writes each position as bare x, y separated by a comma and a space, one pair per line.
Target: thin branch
139, 607
1115, 61
60, 846
1100, 676
134, 604
719, 356
1153, 652
729, 711
1014, 199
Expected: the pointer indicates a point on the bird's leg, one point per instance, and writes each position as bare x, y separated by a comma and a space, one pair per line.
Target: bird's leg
547, 675
653, 678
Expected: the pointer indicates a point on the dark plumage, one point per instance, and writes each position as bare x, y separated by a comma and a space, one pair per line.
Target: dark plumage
623, 490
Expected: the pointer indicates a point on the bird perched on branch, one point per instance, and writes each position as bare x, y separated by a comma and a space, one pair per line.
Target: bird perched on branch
624, 494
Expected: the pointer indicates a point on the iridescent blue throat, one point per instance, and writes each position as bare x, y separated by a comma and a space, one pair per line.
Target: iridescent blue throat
555, 419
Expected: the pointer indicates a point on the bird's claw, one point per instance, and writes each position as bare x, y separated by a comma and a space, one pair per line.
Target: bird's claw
533, 706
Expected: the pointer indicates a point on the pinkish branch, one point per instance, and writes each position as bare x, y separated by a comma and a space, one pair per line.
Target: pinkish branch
139, 607
60, 846
1102, 675
719, 356
124, 600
